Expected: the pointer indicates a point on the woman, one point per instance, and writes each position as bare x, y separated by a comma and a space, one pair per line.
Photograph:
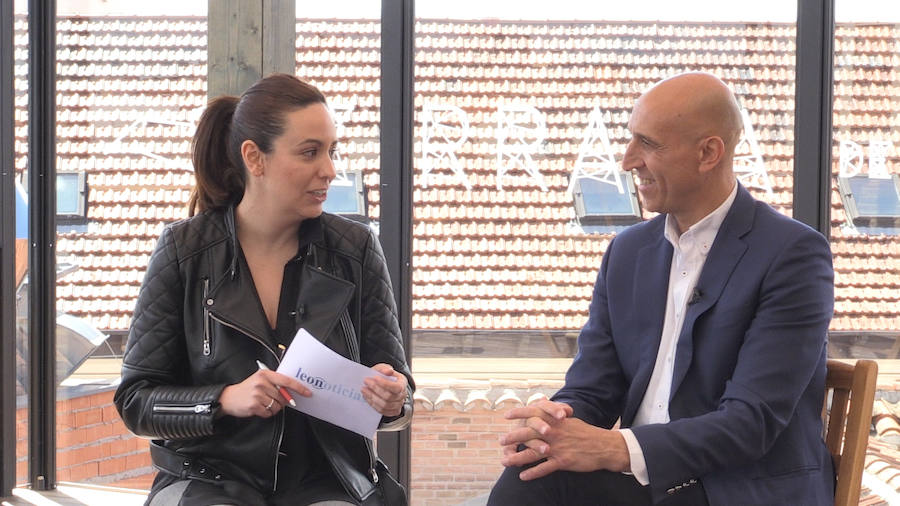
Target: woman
230, 286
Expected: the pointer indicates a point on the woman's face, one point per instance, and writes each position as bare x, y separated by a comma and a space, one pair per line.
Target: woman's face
296, 174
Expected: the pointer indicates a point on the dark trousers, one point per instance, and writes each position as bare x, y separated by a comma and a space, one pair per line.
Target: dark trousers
170, 490
598, 488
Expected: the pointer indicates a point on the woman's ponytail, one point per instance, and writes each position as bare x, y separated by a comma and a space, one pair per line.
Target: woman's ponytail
219, 177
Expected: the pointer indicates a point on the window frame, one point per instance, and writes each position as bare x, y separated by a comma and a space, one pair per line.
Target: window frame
589, 219
851, 208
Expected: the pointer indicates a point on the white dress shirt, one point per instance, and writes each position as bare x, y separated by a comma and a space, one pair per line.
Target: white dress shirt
688, 257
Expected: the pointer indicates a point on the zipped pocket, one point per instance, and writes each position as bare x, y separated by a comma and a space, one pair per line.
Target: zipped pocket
183, 409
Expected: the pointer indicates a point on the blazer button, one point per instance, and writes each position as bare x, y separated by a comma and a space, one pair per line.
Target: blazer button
209, 302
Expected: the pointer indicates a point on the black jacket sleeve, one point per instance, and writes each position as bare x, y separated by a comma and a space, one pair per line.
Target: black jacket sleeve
156, 398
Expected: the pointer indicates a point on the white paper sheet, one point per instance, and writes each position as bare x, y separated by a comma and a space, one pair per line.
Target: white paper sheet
335, 383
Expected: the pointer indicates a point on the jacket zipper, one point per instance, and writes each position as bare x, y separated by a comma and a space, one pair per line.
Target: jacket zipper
207, 348
183, 409
353, 346
280, 418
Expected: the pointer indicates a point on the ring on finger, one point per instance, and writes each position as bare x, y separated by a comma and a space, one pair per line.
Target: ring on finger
269, 406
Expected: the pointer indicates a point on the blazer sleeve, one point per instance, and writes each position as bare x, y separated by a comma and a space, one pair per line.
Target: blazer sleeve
595, 384
781, 351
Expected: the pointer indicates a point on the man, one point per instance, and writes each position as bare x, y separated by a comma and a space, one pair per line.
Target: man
705, 338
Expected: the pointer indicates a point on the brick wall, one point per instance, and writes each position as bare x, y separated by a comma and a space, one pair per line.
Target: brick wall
455, 454
93, 444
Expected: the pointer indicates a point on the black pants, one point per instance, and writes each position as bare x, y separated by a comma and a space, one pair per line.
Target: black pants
169, 490
598, 488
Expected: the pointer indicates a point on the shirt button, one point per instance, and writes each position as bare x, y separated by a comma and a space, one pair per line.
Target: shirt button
659, 406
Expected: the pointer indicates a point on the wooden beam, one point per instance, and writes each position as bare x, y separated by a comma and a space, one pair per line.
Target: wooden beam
248, 39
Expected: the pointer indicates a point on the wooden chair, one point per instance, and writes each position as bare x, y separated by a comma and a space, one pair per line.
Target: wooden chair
852, 393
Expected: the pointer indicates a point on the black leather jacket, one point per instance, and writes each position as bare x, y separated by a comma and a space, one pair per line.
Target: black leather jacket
197, 328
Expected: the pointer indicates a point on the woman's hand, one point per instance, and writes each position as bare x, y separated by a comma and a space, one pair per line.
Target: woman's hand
386, 395
258, 395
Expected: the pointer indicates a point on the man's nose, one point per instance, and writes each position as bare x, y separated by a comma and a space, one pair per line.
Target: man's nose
630, 160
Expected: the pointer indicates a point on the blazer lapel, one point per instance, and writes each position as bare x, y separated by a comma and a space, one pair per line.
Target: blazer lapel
724, 255
651, 286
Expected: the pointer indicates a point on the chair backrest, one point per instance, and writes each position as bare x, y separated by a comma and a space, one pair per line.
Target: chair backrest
852, 389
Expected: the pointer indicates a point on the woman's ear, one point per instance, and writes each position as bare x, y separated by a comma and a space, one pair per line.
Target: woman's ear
254, 158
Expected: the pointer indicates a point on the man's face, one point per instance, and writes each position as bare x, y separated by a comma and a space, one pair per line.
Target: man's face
663, 157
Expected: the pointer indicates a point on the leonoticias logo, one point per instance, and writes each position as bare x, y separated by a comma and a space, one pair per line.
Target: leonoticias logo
320, 383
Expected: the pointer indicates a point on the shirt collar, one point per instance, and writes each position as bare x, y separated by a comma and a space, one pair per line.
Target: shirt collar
704, 231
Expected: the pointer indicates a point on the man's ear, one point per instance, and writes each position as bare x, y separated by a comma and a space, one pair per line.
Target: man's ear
712, 149
254, 158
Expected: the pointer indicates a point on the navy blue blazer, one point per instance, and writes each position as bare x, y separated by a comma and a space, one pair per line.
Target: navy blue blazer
749, 373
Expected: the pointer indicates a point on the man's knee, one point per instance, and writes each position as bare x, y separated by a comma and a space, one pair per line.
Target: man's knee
509, 489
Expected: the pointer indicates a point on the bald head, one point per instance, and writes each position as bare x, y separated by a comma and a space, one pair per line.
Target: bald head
697, 105
684, 132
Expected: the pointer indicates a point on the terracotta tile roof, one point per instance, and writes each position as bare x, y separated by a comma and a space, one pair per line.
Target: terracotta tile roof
129, 89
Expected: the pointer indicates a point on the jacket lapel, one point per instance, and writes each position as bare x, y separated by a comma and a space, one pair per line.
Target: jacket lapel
321, 301
651, 286
724, 255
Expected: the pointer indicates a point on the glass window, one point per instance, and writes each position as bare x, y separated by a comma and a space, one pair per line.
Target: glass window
131, 83
347, 196
71, 197
600, 204
521, 114
872, 205
865, 228
521, 124
339, 51
20, 85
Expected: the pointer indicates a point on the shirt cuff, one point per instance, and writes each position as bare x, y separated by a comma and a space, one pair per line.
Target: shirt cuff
638, 465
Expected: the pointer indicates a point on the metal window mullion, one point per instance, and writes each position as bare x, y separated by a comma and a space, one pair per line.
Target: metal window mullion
42, 237
812, 118
7, 252
397, 31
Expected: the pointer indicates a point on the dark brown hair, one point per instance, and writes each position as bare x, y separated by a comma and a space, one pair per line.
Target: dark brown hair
228, 121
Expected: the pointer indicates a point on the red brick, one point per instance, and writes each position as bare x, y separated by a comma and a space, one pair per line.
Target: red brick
136, 460
103, 398
113, 465
64, 474
88, 417
65, 421
70, 438
79, 403
21, 471
83, 471
110, 413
